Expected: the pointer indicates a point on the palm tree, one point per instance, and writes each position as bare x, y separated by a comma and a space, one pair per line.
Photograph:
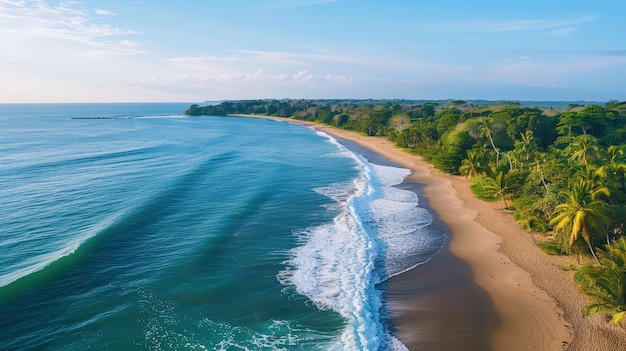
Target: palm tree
606, 285
615, 153
486, 129
586, 149
595, 175
615, 167
524, 150
499, 186
582, 213
473, 165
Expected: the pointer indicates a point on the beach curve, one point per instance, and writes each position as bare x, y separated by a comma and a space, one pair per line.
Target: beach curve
536, 300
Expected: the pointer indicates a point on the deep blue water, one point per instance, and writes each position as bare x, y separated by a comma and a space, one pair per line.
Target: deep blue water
132, 227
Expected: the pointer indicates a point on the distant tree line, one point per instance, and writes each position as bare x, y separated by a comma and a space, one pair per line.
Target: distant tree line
562, 172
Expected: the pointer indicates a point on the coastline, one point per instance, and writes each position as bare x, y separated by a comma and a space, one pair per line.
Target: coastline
536, 301
429, 303
529, 319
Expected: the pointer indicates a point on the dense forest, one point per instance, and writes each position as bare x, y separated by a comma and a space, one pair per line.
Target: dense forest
560, 169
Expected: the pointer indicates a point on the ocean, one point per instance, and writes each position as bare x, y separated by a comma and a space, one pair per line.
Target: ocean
134, 227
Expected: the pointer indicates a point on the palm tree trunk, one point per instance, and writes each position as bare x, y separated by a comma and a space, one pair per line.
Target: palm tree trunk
587, 238
543, 181
593, 253
532, 236
510, 163
504, 200
494, 148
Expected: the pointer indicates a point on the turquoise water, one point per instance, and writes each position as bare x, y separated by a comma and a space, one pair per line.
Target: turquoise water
132, 227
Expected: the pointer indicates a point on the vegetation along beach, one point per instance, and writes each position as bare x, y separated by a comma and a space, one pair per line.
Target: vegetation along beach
507, 181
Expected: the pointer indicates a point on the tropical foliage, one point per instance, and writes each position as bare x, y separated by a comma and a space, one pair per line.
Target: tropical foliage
582, 213
606, 284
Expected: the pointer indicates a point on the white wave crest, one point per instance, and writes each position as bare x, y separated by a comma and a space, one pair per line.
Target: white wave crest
380, 231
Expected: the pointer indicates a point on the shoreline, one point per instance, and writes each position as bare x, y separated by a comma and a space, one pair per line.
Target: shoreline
536, 301
428, 303
529, 319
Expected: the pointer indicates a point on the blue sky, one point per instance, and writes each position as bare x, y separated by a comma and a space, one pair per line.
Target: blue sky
191, 51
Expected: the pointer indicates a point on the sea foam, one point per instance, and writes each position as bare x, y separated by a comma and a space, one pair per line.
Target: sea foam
379, 232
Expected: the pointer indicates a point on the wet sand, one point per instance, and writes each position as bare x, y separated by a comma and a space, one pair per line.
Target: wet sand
435, 306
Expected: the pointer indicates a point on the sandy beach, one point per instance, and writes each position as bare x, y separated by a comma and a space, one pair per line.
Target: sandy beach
490, 288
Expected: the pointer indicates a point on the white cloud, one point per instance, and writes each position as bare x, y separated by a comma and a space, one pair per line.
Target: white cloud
102, 12
67, 21
302, 75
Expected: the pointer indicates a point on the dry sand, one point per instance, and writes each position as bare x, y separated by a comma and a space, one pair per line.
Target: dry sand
537, 304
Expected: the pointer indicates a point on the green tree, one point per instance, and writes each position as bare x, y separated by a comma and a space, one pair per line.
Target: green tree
498, 186
606, 284
597, 119
572, 123
540, 160
585, 149
453, 147
592, 174
615, 168
487, 129
473, 166
272, 109
447, 120
582, 213
194, 110
342, 120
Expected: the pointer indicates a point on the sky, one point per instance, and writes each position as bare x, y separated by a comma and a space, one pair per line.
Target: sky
194, 51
